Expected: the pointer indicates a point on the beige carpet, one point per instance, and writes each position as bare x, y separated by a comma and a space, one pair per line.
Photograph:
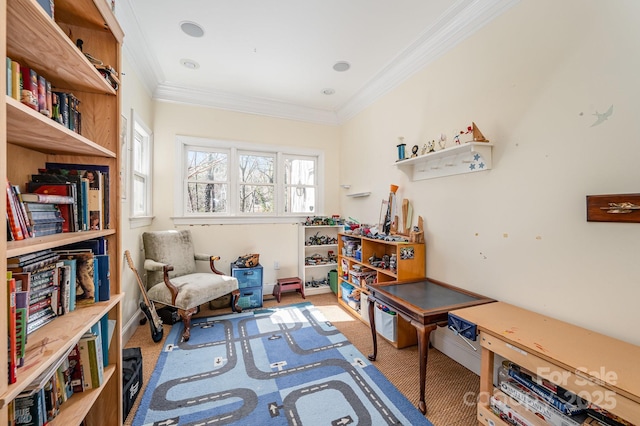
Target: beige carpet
447, 381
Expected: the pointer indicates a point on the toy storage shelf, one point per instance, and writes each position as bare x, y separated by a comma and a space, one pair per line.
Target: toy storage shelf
468, 157
411, 263
599, 368
318, 272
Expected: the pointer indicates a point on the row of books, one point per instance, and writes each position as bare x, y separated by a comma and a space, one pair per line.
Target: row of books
81, 368
28, 87
547, 401
61, 197
49, 283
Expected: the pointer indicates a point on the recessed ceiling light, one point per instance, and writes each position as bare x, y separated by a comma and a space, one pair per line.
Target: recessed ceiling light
191, 28
341, 66
328, 91
190, 63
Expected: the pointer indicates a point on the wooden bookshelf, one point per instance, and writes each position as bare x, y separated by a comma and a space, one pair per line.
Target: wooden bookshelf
32, 38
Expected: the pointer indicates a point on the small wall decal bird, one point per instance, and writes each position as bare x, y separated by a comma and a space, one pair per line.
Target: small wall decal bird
602, 117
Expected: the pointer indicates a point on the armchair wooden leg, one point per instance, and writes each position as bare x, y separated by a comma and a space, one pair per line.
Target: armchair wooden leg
235, 296
186, 314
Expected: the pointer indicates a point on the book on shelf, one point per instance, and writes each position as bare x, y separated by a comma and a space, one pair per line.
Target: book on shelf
16, 83
85, 286
97, 245
567, 403
75, 367
68, 211
90, 347
37, 264
22, 318
39, 402
22, 211
71, 263
98, 176
29, 93
38, 258
104, 276
17, 232
30, 408
46, 198
42, 97
11, 324
36, 323
539, 406
44, 183
65, 288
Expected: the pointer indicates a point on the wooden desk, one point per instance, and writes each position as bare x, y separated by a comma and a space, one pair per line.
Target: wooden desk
425, 304
604, 370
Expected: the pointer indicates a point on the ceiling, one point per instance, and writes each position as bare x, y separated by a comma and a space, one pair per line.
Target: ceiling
276, 57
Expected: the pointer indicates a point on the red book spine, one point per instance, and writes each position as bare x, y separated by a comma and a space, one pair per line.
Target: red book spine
16, 230
29, 95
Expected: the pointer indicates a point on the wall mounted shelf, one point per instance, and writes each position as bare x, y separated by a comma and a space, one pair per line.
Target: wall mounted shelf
466, 158
359, 194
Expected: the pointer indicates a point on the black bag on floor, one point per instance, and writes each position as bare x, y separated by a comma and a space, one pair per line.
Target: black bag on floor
131, 378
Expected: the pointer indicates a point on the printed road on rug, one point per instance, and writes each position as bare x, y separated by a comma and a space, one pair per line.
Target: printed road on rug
282, 366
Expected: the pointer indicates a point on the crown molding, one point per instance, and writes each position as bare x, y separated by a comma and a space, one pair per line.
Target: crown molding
460, 21
245, 104
134, 48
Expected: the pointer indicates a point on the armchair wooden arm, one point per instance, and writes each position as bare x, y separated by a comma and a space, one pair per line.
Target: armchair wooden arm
211, 260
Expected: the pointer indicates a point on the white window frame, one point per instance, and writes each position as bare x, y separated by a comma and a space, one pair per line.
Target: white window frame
183, 143
138, 127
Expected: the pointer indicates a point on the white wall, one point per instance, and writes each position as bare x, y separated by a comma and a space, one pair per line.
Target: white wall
532, 81
274, 241
133, 97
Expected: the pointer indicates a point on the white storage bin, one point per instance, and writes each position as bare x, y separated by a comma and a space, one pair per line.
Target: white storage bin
364, 307
386, 324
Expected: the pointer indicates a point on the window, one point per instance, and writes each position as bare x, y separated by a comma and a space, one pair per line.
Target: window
232, 181
141, 189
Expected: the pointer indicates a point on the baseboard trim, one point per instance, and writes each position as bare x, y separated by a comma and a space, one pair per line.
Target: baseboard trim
131, 326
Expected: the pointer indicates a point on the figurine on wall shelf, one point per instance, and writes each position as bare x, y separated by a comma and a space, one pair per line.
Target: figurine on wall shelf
432, 146
401, 146
414, 151
424, 149
442, 141
473, 135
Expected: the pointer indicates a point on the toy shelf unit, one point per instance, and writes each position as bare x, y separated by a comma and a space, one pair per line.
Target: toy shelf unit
468, 157
37, 38
598, 369
317, 256
363, 261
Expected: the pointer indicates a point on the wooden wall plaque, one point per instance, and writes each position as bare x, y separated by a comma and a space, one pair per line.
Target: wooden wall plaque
613, 208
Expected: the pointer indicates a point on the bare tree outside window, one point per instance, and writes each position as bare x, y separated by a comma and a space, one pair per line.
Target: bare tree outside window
257, 183
207, 181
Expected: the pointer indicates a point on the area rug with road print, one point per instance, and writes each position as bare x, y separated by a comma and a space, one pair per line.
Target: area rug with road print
281, 366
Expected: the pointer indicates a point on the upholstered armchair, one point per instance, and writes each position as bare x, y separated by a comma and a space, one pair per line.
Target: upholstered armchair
173, 279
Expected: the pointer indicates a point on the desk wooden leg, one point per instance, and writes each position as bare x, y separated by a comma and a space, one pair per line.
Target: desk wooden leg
423, 348
372, 323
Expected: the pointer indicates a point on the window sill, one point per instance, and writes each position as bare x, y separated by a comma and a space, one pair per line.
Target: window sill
237, 220
140, 221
